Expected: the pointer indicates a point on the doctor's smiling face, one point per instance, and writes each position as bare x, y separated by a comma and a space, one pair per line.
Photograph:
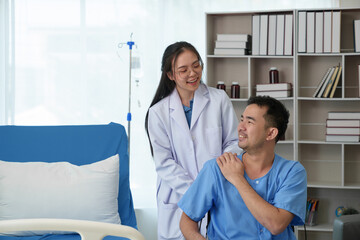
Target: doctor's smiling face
186, 73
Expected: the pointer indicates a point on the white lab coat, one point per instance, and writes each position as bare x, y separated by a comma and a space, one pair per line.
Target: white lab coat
180, 152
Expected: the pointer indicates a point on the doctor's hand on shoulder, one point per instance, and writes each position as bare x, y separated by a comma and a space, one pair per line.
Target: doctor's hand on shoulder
231, 167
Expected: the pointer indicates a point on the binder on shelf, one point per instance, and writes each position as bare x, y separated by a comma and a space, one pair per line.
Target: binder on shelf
322, 82
333, 88
273, 86
330, 83
280, 31
264, 20
343, 123
233, 37
288, 35
302, 32
343, 115
327, 31
319, 95
255, 35
343, 131
336, 30
272, 35
357, 35
342, 138
310, 32
319, 32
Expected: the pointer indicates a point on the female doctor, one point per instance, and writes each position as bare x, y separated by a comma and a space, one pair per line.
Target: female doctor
187, 124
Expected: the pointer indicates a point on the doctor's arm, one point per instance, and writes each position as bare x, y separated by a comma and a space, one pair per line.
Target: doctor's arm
166, 167
272, 218
189, 228
229, 125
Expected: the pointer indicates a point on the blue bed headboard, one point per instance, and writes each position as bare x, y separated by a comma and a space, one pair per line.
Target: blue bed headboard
77, 144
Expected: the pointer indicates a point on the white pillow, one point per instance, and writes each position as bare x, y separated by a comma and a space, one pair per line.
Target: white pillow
60, 190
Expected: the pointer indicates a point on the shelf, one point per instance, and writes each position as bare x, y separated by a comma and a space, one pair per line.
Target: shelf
318, 227
228, 56
327, 99
349, 186
329, 54
320, 184
352, 186
329, 143
285, 142
249, 56
238, 99
271, 56
285, 99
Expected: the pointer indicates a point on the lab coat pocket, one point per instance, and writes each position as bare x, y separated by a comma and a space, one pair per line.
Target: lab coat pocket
214, 141
169, 216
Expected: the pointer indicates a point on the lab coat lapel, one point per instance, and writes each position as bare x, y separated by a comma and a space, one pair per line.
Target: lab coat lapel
177, 111
201, 99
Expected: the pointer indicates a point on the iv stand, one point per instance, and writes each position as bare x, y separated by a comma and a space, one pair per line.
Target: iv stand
130, 44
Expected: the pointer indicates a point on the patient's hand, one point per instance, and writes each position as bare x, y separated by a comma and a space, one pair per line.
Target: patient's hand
231, 167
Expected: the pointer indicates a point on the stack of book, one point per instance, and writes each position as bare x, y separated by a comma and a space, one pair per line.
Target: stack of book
343, 127
319, 32
232, 44
329, 83
276, 90
272, 34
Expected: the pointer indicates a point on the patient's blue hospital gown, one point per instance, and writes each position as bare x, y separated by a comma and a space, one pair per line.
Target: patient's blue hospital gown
284, 186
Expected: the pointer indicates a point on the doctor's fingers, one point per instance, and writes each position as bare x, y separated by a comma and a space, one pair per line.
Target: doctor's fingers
221, 160
227, 157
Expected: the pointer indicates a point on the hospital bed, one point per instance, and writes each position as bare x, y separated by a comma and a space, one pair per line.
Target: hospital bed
45, 169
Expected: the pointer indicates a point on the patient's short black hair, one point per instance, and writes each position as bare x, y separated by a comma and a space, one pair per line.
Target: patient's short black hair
276, 116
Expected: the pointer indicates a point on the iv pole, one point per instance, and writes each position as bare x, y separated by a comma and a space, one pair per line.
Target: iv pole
130, 44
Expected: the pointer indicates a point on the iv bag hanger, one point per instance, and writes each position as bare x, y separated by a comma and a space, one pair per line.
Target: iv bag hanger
120, 45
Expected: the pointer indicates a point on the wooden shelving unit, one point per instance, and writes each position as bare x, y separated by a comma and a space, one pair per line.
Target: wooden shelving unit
333, 168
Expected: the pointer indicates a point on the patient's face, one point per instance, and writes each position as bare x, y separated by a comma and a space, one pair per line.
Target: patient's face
252, 130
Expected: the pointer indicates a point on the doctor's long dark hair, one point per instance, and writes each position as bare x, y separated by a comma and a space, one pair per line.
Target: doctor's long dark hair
166, 85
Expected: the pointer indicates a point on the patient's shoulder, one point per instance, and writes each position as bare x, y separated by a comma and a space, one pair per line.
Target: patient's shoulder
211, 164
211, 167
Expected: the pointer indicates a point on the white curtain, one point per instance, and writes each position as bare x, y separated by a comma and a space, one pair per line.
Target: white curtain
6, 62
67, 66
2, 61
62, 64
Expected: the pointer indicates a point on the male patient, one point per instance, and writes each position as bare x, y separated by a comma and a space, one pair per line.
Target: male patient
255, 195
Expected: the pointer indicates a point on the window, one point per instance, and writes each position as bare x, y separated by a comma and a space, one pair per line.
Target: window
60, 64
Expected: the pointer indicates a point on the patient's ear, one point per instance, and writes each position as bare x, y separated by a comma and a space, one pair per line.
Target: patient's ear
272, 132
